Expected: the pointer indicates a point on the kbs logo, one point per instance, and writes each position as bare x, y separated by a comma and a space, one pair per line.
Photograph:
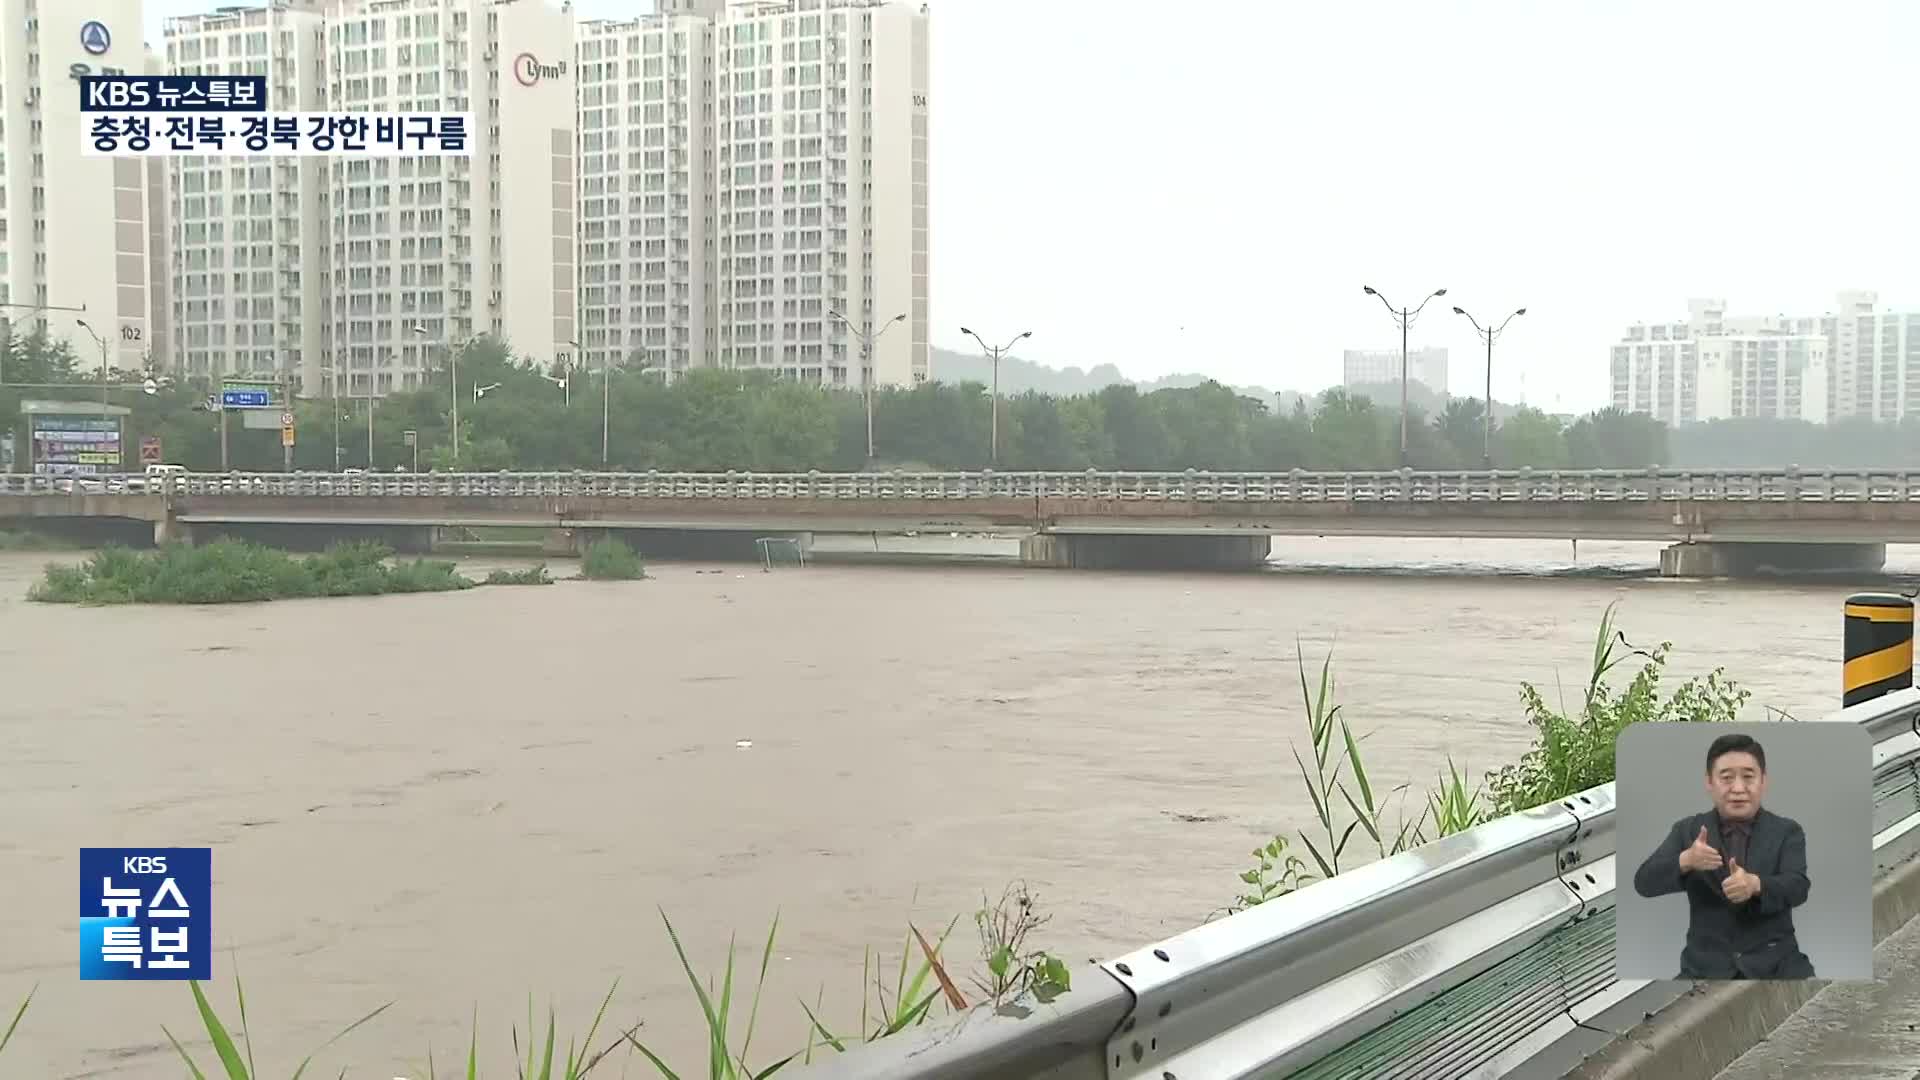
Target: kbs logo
528, 70
145, 913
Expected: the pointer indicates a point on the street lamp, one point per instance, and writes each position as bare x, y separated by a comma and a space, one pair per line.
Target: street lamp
453, 362
1405, 318
482, 391
102, 342
866, 366
994, 450
1488, 336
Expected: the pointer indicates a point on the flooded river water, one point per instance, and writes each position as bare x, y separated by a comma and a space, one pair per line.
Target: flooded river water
456, 801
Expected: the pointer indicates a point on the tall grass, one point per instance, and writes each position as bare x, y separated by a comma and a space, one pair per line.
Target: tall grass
1572, 751
234, 571
233, 1065
7, 1035
611, 560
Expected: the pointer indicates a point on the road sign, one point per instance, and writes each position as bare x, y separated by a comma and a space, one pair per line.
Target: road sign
286, 420
246, 399
286, 436
409, 438
150, 450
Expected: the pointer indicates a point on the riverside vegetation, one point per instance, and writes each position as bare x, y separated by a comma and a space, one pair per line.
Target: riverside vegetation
1572, 751
711, 419
235, 571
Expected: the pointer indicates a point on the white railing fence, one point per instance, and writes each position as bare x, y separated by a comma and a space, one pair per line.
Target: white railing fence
1521, 485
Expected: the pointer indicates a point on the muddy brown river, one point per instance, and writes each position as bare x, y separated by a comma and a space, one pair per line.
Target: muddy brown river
455, 801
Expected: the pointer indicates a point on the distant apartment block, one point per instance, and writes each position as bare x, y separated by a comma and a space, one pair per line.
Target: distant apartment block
748, 170
424, 254
355, 273
248, 234
1854, 361
77, 230
1428, 367
715, 184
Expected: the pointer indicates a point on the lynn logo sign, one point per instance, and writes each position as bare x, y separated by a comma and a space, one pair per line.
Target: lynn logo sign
528, 70
145, 913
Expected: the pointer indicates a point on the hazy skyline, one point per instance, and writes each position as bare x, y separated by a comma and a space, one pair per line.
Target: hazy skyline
1207, 190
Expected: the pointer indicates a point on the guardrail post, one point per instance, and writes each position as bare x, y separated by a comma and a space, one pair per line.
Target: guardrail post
1878, 646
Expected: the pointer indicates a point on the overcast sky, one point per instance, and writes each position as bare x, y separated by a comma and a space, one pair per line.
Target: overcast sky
1206, 187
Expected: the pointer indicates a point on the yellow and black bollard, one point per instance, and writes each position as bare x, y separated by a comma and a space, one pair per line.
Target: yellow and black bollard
1879, 646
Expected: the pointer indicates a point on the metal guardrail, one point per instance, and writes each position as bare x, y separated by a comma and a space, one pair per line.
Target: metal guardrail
1471, 956
1521, 485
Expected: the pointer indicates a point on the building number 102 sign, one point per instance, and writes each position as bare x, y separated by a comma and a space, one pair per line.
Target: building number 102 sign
145, 913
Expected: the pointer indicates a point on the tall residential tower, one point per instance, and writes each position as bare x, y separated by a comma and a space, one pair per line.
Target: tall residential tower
752, 173
76, 230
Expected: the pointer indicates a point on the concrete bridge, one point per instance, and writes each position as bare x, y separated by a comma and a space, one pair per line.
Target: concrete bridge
1716, 523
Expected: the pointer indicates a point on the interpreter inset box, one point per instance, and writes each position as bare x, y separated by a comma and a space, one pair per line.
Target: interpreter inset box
1744, 851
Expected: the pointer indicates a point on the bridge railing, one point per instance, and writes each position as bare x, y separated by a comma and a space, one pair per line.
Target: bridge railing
1192, 486
1470, 956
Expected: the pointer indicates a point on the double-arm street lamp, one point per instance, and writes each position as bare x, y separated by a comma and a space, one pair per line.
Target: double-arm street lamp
867, 341
606, 396
1405, 318
993, 450
1488, 335
339, 452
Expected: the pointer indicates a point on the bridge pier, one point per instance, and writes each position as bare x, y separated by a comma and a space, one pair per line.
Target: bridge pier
1720, 558
168, 530
1078, 551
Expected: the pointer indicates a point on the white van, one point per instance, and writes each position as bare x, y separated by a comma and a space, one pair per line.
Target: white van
159, 475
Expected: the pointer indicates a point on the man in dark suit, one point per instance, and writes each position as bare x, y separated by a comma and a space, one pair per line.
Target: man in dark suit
1744, 870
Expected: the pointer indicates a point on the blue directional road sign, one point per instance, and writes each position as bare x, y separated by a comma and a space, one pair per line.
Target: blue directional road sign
246, 399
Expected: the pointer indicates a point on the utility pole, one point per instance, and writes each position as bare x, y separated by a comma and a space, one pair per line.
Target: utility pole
1488, 336
1405, 318
453, 365
867, 342
606, 400
333, 378
286, 404
102, 342
993, 451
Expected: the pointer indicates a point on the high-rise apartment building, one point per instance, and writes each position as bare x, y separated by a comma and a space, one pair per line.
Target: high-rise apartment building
76, 230
1856, 361
355, 273
425, 253
1428, 367
248, 233
751, 174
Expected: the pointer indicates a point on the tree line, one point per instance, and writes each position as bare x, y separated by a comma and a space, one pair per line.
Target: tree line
713, 419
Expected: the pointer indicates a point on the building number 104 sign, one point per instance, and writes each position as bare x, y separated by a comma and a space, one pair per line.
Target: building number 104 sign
145, 913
